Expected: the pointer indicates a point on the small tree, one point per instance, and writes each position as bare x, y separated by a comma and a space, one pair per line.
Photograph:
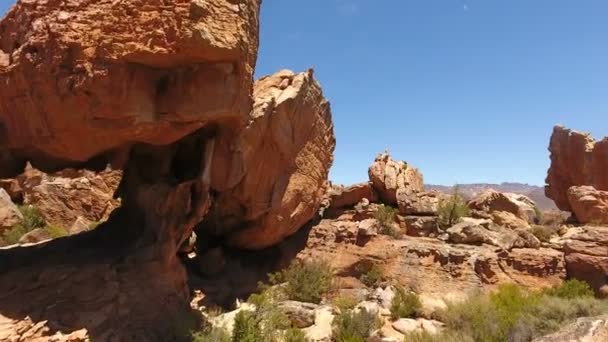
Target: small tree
307, 281
386, 218
354, 325
452, 209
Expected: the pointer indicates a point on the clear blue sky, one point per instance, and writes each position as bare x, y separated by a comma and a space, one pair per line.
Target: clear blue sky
467, 91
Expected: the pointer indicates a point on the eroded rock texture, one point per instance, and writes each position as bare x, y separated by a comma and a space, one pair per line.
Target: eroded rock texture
277, 178
576, 159
394, 181
85, 77
163, 91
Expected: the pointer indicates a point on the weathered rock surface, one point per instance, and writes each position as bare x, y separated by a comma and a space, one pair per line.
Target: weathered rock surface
424, 203
61, 200
394, 179
491, 201
9, 213
587, 329
586, 255
576, 159
588, 204
286, 152
349, 196
102, 82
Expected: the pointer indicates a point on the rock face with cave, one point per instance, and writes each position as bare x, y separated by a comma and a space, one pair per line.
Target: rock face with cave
163, 91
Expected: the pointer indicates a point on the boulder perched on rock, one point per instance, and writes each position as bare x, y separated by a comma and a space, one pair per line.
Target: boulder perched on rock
394, 179
588, 204
491, 201
279, 181
349, 196
576, 159
421, 204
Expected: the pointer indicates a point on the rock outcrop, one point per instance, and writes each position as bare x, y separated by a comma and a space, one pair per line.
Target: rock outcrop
163, 92
286, 150
394, 181
576, 159
491, 201
9, 213
110, 74
349, 196
586, 255
586, 329
588, 204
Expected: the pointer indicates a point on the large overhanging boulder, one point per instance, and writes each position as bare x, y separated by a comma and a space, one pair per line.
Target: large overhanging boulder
88, 78
163, 91
576, 159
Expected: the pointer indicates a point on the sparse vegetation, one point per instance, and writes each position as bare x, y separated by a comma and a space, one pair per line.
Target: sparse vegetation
345, 302
354, 325
538, 214
211, 334
55, 231
31, 220
405, 304
373, 277
386, 218
543, 233
295, 335
452, 209
306, 281
513, 314
571, 289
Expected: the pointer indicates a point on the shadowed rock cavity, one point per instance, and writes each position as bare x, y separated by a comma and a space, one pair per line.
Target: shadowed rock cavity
164, 95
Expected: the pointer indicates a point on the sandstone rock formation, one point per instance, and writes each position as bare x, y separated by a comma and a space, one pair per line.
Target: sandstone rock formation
586, 255
394, 180
103, 82
162, 91
348, 196
9, 213
576, 159
280, 179
588, 204
586, 329
491, 201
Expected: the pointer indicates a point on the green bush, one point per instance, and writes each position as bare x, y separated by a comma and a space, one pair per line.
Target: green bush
55, 231
572, 288
538, 214
354, 325
405, 304
31, 220
543, 233
306, 281
295, 335
373, 277
345, 302
386, 218
513, 314
447, 336
246, 327
211, 334
452, 209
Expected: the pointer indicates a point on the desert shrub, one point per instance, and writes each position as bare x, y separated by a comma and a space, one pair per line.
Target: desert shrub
306, 281
543, 233
513, 314
538, 214
373, 277
211, 334
31, 220
451, 210
405, 304
386, 218
572, 288
246, 327
345, 302
295, 335
354, 325
55, 231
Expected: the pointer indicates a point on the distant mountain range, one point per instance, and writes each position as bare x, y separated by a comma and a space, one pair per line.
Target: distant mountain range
536, 193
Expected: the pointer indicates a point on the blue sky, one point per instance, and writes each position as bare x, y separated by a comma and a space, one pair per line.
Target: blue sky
467, 91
